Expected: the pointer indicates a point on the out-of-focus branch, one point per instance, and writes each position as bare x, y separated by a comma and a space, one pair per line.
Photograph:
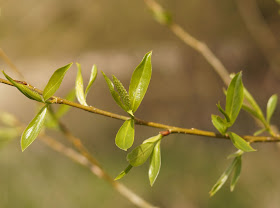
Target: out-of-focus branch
163, 18
191, 41
261, 33
95, 169
5, 58
85, 158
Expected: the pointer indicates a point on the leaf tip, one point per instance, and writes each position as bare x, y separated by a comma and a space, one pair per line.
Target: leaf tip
23, 147
149, 54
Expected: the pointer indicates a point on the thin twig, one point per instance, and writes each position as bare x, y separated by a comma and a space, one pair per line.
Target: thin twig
88, 161
85, 158
191, 41
203, 49
96, 170
172, 129
4, 56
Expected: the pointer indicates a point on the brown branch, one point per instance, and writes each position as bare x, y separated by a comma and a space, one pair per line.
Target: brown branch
4, 56
191, 41
95, 169
172, 129
163, 18
86, 160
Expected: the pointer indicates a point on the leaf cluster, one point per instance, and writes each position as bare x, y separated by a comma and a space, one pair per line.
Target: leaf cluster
236, 95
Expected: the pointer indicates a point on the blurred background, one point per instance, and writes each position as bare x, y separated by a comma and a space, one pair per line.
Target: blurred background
41, 36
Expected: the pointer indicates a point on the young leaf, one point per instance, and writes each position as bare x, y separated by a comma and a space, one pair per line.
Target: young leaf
240, 143
153, 139
80, 86
55, 81
63, 109
271, 105
125, 135
253, 112
155, 163
92, 78
234, 98
114, 93
33, 129
122, 92
259, 131
221, 181
256, 110
140, 81
140, 154
223, 112
25, 90
219, 124
123, 173
236, 154
236, 172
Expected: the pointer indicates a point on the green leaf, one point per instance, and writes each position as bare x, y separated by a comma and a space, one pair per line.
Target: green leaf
234, 98
259, 131
33, 129
236, 173
223, 178
155, 163
125, 135
240, 143
140, 154
25, 90
122, 92
80, 86
223, 112
92, 78
63, 109
252, 112
115, 95
255, 108
140, 81
219, 124
123, 173
153, 139
271, 105
236, 154
55, 81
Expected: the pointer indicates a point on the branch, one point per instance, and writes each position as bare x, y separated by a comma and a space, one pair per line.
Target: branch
88, 161
4, 56
191, 41
171, 129
85, 158
163, 18
95, 169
